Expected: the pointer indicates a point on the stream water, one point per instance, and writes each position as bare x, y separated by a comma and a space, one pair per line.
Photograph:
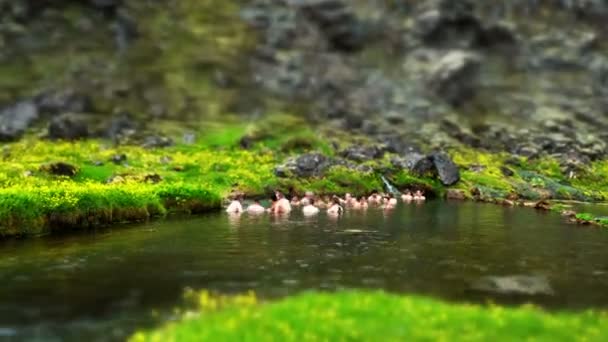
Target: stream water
102, 285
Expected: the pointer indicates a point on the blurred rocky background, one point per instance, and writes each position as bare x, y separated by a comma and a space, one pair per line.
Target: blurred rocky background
529, 77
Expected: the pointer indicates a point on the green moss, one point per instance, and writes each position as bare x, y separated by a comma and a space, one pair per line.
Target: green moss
585, 216
405, 180
368, 316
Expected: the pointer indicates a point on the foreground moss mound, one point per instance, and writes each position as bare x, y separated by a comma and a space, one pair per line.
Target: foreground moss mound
373, 316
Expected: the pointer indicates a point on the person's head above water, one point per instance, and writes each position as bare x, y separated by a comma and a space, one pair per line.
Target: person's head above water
279, 194
335, 200
348, 196
274, 197
309, 194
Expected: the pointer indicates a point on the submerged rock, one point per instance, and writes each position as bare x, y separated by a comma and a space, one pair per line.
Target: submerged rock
523, 285
59, 169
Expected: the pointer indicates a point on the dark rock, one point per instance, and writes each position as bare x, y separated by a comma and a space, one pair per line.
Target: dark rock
65, 101
398, 144
310, 164
106, 3
59, 169
119, 158
447, 170
15, 119
446, 22
306, 165
506, 171
157, 141
454, 77
339, 24
362, 153
456, 132
542, 205
415, 162
497, 35
516, 285
248, 141
120, 126
68, 127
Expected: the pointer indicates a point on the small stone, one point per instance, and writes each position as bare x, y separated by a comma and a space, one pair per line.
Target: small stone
119, 158
116, 180
189, 138
153, 178
60, 169
157, 141
542, 205
477, 168
506, 171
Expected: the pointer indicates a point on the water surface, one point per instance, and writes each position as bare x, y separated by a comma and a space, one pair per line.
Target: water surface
102, 285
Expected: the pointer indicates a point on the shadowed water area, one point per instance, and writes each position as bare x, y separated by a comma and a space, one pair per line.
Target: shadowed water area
102, 286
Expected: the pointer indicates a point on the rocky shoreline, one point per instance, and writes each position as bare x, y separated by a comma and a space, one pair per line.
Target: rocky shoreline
501, 102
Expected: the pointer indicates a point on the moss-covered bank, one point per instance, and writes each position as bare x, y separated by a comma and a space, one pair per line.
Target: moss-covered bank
106, 184
373, 316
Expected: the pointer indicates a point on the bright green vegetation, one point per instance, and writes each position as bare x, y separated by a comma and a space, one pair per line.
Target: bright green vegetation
589, 218
196, 178
530, 179
368, 316
151, 182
